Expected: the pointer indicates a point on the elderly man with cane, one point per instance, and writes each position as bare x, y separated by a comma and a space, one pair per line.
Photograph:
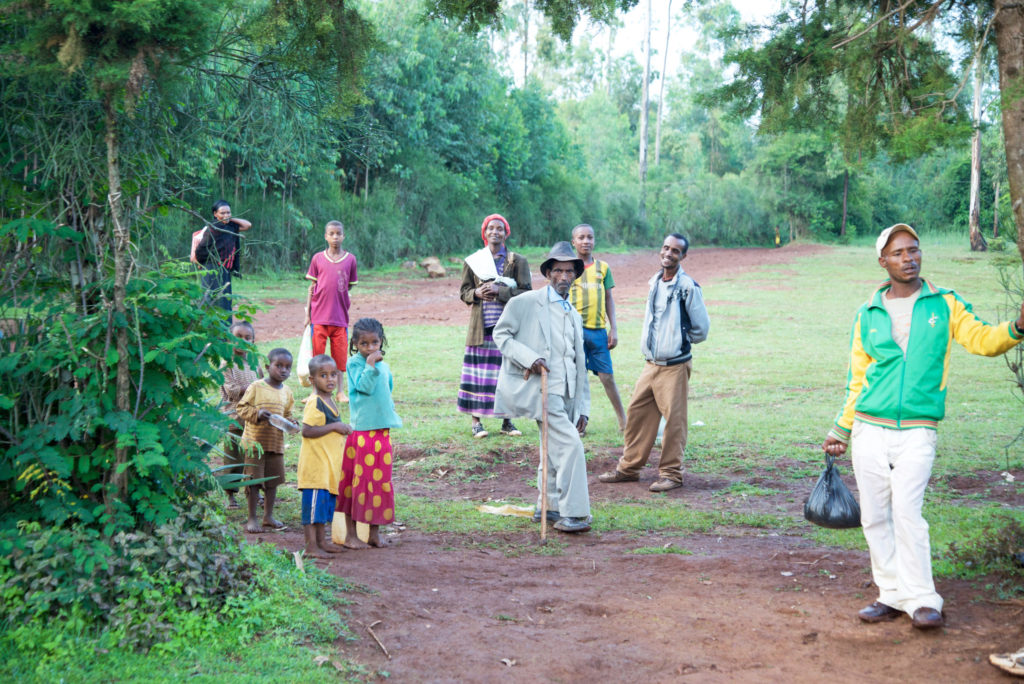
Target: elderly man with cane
539, 332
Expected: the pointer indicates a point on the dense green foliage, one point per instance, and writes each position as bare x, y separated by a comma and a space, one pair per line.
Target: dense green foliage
261, 621
132, 586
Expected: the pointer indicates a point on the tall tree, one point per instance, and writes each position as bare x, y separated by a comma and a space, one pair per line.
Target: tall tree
661, 86
981, 61
645, 99
905, 91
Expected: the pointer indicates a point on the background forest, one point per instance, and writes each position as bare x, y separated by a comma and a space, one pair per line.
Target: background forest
426, 128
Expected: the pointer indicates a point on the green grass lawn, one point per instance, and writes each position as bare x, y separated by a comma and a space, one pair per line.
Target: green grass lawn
765, 388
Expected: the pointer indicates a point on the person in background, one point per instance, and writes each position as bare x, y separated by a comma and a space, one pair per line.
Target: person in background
591, 294
490, 278
219, 254
675, 320
237, 378
333, 273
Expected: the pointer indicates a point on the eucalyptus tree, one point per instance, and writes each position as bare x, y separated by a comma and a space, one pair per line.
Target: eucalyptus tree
901, 92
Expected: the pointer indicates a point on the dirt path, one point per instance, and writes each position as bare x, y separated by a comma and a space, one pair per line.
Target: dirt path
736, 605
421, 300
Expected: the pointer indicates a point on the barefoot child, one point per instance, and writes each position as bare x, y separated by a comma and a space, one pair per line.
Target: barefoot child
365, 491
263, 443
320, 455
333, 272
237, 378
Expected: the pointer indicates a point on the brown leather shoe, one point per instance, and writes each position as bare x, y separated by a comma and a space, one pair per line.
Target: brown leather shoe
927, 618
878, 612
664, 485
616, 476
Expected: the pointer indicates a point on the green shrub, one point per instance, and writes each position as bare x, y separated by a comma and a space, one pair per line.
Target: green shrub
132, 585
67, 452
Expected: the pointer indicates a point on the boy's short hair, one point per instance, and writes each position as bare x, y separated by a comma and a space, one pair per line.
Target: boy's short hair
319, 361
335, 224
582, 225
279, 351
243, 324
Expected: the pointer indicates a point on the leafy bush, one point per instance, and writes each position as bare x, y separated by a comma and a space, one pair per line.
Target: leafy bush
67, 454
269, 628
133, 584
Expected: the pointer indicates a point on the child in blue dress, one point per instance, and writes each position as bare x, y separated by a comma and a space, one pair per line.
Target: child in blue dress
365, 493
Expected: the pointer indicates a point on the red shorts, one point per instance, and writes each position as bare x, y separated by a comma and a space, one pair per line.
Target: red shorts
338, 335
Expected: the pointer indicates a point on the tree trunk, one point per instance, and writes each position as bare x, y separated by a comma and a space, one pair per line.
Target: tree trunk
526, 39
974, 212
661, 88
608, 61
1009, 25
846, 194
121, 241
995, 209
645, 99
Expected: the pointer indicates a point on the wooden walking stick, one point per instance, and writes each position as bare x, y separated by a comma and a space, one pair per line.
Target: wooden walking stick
544, 455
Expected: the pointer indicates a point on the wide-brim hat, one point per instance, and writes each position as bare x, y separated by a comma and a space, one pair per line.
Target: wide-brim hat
562, 251
886, 235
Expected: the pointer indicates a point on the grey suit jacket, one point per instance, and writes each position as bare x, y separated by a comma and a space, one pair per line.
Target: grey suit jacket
523, 334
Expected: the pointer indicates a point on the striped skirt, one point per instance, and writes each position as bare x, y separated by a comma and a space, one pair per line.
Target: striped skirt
480, 368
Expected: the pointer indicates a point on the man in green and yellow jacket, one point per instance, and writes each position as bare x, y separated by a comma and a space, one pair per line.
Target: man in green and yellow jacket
896, 395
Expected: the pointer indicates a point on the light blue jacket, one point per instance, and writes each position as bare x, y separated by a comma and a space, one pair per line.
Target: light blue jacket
369, 395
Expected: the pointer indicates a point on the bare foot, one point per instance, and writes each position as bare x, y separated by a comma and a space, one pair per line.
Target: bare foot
374, 539
313, 552
354, 543
330, 548
252, 526
273, 523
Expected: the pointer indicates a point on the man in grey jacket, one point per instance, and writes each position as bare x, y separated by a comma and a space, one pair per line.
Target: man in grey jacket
675, 319
538, 330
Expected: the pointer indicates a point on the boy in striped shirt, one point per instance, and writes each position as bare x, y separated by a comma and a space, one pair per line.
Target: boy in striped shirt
591, 295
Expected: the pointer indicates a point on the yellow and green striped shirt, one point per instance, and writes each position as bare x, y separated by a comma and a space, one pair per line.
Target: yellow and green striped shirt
588, 294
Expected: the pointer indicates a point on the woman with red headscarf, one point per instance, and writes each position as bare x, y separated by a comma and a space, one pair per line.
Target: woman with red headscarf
490, 277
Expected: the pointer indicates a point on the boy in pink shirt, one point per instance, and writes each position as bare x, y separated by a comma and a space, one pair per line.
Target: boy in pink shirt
333, 272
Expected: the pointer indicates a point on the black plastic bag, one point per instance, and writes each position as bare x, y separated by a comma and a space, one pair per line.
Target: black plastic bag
830, 503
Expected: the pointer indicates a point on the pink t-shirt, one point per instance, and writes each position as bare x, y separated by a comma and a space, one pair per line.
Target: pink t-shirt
330, 302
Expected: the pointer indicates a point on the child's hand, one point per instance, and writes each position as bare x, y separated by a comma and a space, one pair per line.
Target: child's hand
263, 414
373, 358
342, 428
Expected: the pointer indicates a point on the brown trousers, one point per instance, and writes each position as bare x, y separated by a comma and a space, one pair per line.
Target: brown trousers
659, 391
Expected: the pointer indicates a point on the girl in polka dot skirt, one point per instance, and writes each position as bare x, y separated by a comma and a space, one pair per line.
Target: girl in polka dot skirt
365, 493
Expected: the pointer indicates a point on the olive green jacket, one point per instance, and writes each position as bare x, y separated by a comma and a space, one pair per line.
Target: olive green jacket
517, 268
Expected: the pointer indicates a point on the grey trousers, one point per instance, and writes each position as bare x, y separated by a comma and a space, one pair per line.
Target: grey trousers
568, 492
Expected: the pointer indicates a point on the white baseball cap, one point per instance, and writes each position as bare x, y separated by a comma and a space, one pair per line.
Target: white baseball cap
883, 237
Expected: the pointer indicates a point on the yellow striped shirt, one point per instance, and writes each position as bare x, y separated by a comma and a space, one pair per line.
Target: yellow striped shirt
588, 294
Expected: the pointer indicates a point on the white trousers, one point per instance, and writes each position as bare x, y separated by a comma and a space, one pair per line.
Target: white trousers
892, 468
567, 466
